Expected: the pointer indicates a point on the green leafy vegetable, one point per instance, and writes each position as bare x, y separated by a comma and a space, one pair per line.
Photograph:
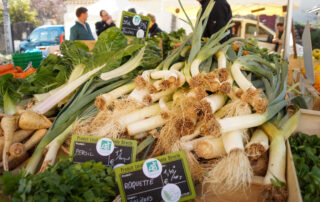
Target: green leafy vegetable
306, 156
65, 181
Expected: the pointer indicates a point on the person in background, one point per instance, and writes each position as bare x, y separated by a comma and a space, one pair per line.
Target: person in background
81, 30
278, 38
153, 26
105, 23
220, 15
132, 10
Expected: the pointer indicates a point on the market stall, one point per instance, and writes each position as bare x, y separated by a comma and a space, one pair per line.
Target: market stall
189, 119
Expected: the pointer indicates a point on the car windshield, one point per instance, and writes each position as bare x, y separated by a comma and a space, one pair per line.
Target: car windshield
34, 36
44, 35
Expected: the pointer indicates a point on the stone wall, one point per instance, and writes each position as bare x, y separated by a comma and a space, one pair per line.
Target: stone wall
19, 31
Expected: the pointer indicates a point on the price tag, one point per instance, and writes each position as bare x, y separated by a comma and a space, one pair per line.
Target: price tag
164, 178
134, 25
111, 152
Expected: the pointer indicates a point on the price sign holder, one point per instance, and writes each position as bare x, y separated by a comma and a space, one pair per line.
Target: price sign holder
164, 178
111, 152
134, 25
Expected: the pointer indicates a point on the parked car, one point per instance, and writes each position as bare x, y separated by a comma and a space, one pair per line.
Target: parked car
246, 28
48, 35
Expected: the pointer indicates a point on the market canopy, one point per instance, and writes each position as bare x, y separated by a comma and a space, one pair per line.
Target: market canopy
240, 7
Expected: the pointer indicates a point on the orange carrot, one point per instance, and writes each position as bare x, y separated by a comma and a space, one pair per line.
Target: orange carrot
5, 68
12, 71
19, 69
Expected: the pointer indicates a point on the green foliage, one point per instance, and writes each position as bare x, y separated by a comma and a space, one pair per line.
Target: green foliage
168, 40
20, 11
306, 156
315, 38
52, 73
10, 85
63, 182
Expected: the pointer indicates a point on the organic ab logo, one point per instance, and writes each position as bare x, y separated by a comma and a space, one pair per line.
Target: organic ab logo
105, 146
152, 168
136, 20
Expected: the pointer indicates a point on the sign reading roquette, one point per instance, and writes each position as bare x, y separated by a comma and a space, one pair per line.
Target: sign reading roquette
134, 25
164, 178
111, 152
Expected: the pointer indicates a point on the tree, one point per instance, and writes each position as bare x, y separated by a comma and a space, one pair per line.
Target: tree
49, 10
20, 11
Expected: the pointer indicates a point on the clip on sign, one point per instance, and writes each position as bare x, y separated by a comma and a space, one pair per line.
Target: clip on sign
111, 152
164, 178
134, 25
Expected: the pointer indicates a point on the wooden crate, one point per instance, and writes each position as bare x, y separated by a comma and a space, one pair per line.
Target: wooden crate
309, 124
254, 191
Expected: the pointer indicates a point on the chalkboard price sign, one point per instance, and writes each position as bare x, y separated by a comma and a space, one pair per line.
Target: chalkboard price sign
164, 178
111, 152
134, 25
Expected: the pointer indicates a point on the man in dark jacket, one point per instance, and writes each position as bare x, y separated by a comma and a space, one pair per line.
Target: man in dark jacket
81, 30
153, 27
220, 15
105, 23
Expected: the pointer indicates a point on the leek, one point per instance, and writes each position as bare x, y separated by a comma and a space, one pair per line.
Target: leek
84, 97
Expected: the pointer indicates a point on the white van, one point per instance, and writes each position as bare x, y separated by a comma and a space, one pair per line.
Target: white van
247, 28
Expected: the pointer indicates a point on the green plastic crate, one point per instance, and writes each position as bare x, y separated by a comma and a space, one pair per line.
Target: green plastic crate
22, 59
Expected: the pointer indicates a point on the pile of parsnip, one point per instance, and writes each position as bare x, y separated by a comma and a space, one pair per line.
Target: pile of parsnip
20, 133
224, 108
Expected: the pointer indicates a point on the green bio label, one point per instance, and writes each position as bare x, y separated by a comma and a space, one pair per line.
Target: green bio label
164, 178
111, 152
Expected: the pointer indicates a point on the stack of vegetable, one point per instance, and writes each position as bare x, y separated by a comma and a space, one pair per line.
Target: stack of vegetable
215, 103
222, 104
306, 155
20, 133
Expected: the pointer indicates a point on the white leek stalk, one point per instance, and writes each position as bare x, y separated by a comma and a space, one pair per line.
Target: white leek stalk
277, 155
62, 93
145, 125
177, 66
258, 145
209, 147
125, 68
240, 79
139, 115
106, 99
53, 148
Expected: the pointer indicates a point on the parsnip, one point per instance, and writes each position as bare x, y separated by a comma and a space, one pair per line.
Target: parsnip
9, 125
30, 120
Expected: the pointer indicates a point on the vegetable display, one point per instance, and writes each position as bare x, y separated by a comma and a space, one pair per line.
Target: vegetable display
62, 182
224, 104
306, 151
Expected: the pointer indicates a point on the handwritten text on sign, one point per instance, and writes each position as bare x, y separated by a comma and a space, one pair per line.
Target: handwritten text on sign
174, 181
134, 25
111, 152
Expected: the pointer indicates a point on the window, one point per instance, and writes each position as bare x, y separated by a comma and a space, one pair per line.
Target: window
34, 36
44, 36
251, 32
54, 35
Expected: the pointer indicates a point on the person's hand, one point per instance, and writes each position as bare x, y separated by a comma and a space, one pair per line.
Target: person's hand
275, 41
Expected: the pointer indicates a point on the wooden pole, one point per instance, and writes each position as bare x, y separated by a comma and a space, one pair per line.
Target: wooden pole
294, 41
